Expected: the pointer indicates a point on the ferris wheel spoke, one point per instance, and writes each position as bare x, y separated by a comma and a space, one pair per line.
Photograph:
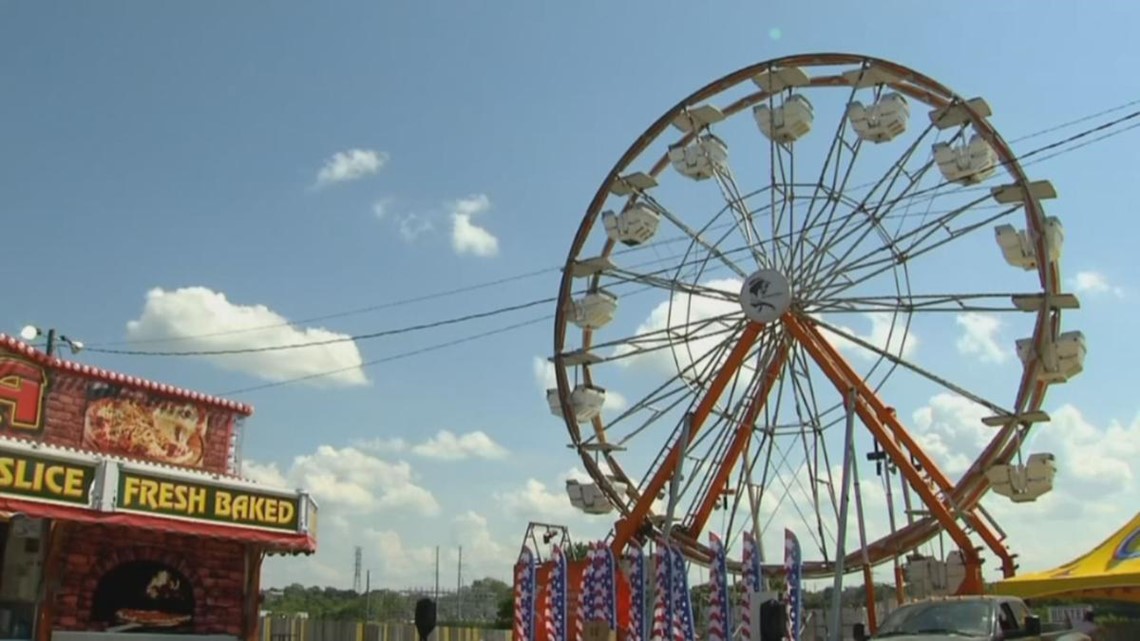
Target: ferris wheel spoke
886, 257
958, 303
745, 224
660, 338
838, 183
695, 236
781, 181
808, 415
871, 217
626, 528
902, 362
881, 264
741, 434
669, 284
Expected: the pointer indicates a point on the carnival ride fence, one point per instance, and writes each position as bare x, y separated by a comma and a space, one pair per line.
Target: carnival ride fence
291, 628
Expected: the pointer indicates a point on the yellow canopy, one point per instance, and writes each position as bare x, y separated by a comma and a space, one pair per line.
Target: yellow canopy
1110, 571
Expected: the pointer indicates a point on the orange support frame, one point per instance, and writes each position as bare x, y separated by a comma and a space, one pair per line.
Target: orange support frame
873, 414
626, 527
740, 441
971, 516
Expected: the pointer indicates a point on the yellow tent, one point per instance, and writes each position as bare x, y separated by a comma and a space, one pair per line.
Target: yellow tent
1110, 571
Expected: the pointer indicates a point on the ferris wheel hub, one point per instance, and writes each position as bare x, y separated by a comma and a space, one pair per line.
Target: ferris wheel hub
765, 296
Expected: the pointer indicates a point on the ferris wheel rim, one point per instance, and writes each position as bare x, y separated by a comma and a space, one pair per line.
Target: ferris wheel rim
968, 491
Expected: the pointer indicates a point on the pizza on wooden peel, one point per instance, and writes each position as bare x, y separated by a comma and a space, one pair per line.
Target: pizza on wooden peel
152, 618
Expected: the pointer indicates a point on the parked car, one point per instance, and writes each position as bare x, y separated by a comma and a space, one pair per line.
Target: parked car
988, 618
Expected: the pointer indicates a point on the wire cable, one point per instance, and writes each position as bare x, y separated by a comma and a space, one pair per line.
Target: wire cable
393, 357
332, 341
534, 321
547, 270
511, 308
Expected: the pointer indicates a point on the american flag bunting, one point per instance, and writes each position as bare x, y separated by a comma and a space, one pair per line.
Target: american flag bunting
793, 568
662, 592
556, 599
682, 603
720, 618
524, 596
752, 580
636, 559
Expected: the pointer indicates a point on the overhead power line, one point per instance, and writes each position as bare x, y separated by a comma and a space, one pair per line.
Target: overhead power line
517, 307
95, 347
393, 357
509, 328
340, 339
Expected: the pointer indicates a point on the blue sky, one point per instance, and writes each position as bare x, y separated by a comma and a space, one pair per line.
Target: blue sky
169, 146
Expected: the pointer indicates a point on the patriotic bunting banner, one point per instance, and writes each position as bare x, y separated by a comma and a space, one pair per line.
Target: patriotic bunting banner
720, 618
662, 596
682, 603
524, 596
752, 581
636, 560
607, 588
556, 599
793, 568
583, 598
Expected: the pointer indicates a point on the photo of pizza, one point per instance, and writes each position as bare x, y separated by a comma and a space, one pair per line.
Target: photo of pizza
174, 434
152, 618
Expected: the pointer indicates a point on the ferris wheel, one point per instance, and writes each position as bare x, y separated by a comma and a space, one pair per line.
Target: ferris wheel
777, 257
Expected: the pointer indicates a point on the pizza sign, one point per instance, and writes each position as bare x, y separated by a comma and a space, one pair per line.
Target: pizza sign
22, 387
201, 502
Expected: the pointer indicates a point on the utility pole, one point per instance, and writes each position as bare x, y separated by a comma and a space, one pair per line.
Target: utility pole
368, 596
459, 586
437, 574
358, 556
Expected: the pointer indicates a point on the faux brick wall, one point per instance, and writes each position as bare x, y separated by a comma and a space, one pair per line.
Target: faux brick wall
64, 419
215, 567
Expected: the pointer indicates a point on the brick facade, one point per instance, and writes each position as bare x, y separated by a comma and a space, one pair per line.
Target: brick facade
216, 571
66, 402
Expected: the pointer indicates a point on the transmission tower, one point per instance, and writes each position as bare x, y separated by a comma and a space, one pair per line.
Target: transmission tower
356, 569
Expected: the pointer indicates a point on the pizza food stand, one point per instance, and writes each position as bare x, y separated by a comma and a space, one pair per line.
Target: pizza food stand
122, 510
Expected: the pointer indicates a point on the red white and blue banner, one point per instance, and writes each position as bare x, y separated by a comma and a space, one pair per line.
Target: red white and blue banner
684, 628
720, 619
605, 587
662, 595
752, 583
556, 599
524, 596
636, 560
793, 568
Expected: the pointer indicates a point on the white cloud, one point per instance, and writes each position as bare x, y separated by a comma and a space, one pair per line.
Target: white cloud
544, 376
466, 236
383, 445
980, 337
346, 166
379, 505
381, 208
1091, 282
362, 483
538, 501
447, 446
200, 319
412, 226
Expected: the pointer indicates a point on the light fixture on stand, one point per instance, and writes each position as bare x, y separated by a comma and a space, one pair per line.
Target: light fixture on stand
31, 333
